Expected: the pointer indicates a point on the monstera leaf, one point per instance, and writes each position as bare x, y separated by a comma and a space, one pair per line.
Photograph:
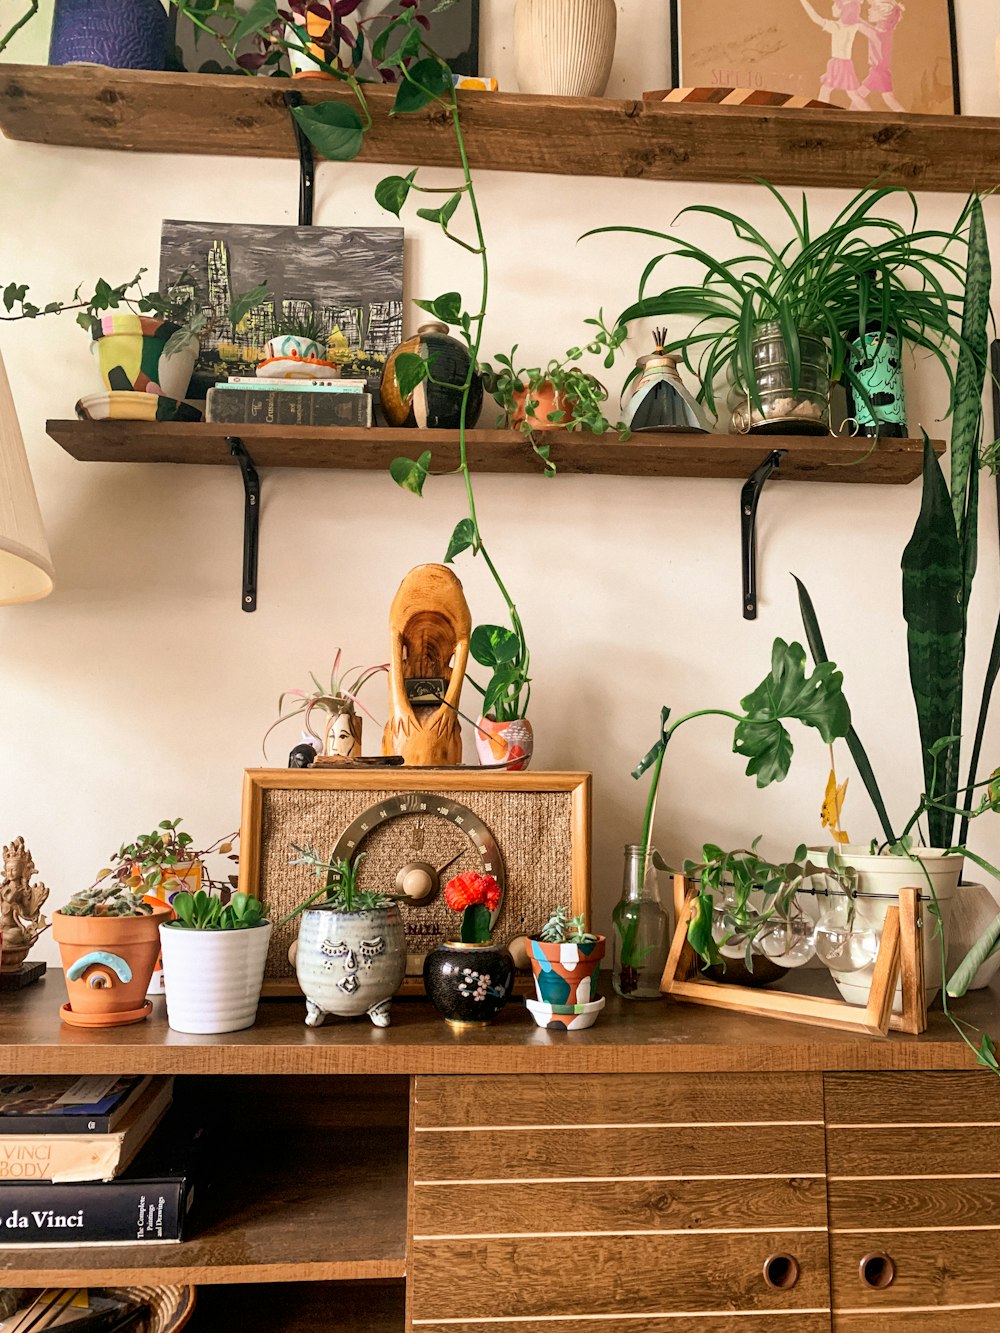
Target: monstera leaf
787, 694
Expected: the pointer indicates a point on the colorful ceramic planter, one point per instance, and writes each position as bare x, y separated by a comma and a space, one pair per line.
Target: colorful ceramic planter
131, 354
436, 406
125, 34
565, 1017
507, 743
350, 963
107, 962
213, 977
468, 984
290, 357
566, 974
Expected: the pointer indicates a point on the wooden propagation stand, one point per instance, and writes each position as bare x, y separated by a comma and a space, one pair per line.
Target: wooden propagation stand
900, 954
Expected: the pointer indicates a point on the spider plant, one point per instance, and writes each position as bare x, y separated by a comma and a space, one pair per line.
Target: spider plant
823, 283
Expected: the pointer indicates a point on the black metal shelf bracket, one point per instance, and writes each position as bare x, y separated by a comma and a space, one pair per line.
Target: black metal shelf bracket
251, 520
749, 499
307, 164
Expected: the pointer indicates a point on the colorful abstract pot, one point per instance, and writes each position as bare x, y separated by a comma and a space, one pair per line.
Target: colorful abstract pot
566, 974
124, 34
436, 406
546, 401
350, 963
468, 984
131, 353
507, 743
107, 962
290, 357
565, 1017
304, 66
213, 977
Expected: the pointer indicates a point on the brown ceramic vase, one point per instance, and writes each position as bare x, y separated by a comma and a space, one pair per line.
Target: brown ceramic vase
107, 962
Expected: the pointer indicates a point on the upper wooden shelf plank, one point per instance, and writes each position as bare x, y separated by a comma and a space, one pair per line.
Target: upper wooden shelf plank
647, 1038
95, 107
808, 458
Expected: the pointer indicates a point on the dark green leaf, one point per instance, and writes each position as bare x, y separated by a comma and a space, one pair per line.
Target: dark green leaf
332, 127
442, 215
422, 83
410, 369
411, 473
464, 537
494, 645
259, 16
700, 931
392, 192
245, 302
446, 308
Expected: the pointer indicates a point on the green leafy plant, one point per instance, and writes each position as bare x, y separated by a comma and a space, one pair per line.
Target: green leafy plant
203, 911
337, 695
340, 890
309, 327
864, 266
561, 928
148, 860
111, 899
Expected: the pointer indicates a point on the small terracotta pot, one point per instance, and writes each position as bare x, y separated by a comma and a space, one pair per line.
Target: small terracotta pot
566, 973
548, 400
497, 742
107, 962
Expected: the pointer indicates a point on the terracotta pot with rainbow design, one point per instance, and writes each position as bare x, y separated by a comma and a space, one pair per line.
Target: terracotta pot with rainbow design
566, 974
107, 962
133, 355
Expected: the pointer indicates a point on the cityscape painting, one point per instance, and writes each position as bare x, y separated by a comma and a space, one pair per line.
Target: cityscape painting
348, 280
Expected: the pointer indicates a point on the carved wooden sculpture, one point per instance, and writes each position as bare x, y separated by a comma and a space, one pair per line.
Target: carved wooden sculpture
429, 628
21, 902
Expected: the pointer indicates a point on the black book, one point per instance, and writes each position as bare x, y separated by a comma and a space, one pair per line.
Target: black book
289, 407
66, 1103
148, 1203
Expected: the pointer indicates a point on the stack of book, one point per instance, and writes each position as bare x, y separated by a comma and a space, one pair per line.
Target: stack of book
79, 1162
295, 402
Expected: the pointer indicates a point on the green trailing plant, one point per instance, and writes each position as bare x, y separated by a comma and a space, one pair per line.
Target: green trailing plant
111, 899
144, 863
863, 266
561, 928
28, 13
339, 892
340, 694
203, 911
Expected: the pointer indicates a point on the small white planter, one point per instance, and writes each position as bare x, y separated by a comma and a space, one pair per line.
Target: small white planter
887, 875
564, 47
213, 977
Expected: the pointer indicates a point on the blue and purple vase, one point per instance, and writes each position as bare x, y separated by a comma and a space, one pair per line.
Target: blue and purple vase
125, 34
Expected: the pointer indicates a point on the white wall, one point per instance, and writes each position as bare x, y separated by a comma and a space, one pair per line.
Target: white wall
140, 690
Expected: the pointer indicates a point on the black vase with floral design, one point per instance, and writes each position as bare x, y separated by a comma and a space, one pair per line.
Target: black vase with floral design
468, 984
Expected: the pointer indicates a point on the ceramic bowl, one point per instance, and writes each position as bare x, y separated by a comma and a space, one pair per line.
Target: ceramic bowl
565, 1017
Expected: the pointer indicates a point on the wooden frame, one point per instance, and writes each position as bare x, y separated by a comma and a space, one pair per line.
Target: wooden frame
901, 954
258, 781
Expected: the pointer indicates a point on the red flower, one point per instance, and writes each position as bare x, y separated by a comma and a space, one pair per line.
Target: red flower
469, 889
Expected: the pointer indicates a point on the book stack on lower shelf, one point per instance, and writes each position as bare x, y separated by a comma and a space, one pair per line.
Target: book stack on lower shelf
290, 402
92, 1161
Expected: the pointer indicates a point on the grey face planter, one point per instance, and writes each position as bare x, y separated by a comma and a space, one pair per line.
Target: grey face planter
350, 963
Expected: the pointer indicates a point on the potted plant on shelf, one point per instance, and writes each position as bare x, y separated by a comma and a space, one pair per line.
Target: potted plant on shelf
503, 733
469, 980
108, 937
339, 699
298, 349
558, 396
213, 962
350, 956
783, 321
566, 963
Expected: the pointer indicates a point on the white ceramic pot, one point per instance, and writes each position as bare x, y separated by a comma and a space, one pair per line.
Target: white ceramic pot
350, 963
213, 977
887, 875
564, 47
973, 910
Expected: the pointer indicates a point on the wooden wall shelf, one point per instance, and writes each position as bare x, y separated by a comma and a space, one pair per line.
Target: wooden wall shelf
93, 107
823, 458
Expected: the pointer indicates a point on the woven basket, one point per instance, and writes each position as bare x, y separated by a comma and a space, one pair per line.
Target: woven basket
170, 1308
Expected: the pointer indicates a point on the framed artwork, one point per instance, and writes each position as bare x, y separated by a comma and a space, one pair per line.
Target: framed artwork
869, 55
454, 34
350, 279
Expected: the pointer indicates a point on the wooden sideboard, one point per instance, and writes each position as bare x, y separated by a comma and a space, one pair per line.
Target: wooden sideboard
673, 1170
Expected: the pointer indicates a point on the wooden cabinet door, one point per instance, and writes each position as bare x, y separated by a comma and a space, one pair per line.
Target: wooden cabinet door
618, 1204
913, 1164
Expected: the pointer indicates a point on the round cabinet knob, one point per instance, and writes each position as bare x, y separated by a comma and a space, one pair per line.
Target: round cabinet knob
781, 1271
418, 880
877, 1270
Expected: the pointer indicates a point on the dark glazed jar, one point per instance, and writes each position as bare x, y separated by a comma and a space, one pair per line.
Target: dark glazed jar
468, 984
432, 406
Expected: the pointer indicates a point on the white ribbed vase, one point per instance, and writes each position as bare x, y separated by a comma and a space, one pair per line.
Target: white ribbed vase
213, 977
564, 47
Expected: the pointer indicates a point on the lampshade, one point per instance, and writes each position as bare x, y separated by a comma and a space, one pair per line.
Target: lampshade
25, 563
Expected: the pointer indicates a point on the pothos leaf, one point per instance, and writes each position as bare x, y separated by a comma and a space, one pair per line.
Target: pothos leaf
392, 192
464, 537
425, 81
335, 129
700, 930
411, 473
410, 369
493, 645
447, 308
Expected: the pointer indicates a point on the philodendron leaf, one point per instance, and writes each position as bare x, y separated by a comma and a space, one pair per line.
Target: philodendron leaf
335, 129
423, 83
788, 693
464, 537
446, 308
443, 214
494, 645
241, 307
410, 370
392, 192
700, 930
411, 473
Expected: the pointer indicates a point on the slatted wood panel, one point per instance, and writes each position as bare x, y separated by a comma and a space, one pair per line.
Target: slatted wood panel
916, 1202
912, 1097
775, 1321
968, 1319
192, 113
934, 1269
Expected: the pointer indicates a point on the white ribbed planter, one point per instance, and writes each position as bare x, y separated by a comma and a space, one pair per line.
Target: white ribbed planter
564, 47
213, 977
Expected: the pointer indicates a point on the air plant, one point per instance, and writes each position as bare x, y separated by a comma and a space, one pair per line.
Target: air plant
339, 695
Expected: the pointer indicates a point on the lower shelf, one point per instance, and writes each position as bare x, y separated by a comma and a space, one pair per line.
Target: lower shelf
301, 1307
807, 458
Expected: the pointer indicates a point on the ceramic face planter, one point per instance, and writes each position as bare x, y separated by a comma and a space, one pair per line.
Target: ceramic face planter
107, 961
343, 735
350, 963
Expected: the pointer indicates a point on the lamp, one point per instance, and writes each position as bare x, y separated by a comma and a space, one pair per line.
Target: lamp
25, 563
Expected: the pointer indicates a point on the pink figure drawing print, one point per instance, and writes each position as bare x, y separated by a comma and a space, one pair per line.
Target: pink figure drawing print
884, 17
843, 29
